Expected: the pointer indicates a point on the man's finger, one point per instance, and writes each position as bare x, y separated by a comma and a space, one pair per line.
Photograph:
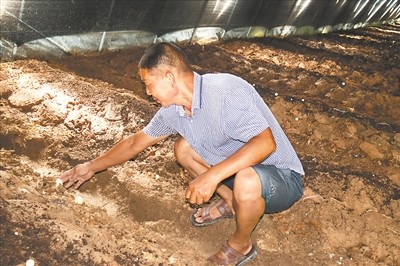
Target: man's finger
199, 199
188, 193
64, 177
69, 184
193, 197
67, 175
206, 198
80, 182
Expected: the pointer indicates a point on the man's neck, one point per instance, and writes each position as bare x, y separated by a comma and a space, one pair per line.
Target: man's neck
187, 88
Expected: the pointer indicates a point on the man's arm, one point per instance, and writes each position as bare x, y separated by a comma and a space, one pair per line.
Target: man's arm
253, 152
123, 151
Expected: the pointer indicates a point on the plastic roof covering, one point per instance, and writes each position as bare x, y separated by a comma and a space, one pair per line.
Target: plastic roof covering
85, 25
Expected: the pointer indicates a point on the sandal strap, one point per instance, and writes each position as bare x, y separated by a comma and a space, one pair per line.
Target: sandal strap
232, 256
206, 213
223, 208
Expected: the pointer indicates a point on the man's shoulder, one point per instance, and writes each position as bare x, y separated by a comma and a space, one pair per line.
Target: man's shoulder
221, 80
219, 75
224, 83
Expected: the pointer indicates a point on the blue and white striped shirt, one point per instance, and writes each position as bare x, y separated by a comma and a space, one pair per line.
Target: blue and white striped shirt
226, 113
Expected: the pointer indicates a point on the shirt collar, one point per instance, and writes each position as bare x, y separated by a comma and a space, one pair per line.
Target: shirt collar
196, 98
196, 101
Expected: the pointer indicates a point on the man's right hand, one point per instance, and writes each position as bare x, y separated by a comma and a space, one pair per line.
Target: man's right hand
77, 175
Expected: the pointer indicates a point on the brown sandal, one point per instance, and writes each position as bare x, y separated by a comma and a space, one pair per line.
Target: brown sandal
223, 208
233, 257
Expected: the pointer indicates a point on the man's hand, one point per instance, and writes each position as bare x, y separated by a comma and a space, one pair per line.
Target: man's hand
201, 189
77, 175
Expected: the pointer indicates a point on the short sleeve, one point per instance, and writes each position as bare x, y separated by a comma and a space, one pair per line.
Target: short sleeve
157, 127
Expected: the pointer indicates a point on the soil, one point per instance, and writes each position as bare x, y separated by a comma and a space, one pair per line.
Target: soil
337, 96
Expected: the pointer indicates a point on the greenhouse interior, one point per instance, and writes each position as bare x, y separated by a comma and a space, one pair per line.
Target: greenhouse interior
71, 88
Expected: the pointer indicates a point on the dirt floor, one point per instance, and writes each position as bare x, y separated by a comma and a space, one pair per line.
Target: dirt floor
337, 96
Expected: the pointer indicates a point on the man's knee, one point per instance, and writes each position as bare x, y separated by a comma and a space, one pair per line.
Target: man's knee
247, 185
181, 149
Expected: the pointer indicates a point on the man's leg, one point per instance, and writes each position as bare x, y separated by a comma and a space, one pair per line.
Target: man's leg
249, 206
246, 199
191, 161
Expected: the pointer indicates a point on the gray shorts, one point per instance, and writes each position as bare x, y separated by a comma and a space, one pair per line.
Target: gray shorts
281, 188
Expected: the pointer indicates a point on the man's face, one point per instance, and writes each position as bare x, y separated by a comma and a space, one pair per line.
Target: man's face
158, 85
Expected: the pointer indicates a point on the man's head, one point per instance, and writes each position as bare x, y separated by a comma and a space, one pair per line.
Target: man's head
162, 55
161, 68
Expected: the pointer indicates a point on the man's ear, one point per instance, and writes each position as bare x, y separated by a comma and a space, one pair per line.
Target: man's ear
170, 76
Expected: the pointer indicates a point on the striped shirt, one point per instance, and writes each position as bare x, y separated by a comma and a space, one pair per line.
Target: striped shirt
226, 113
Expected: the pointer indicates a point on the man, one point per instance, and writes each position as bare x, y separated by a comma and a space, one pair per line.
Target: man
230, 142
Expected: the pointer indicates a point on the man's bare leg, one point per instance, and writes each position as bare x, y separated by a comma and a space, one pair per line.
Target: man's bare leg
246, 199
249, 206
191, 161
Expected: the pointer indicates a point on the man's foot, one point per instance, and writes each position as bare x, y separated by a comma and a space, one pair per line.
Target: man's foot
229, 256
211, 213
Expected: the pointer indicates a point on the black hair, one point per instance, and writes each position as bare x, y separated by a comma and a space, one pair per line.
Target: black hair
164, 54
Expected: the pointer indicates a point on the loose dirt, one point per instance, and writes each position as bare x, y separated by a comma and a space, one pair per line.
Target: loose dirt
337, 96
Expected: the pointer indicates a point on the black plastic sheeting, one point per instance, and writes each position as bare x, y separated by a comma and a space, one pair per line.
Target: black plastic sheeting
24, 20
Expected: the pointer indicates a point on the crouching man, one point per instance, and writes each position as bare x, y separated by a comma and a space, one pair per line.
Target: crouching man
229, 141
